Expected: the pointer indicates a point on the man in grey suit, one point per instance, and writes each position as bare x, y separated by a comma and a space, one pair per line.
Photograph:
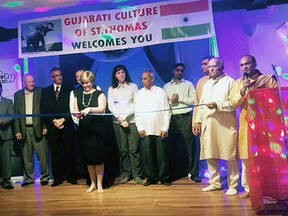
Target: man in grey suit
31, 131
6, 108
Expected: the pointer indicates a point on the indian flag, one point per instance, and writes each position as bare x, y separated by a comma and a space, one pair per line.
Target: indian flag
186, 20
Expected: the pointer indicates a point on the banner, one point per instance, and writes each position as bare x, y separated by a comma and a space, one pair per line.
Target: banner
137, 26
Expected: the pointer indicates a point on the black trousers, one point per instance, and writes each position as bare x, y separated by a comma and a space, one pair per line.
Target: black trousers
62, 150
155, 159
180, 126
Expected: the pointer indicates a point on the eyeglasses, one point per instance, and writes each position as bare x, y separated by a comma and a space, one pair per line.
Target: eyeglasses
213, 66
58, 75
179, 70
245, 64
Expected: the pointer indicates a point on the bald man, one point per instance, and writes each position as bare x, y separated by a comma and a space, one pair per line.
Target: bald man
217, 124
252, 79
31, 131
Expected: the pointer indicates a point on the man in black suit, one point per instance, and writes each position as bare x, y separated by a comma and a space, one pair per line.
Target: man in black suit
31, 131
6, 136
55, 101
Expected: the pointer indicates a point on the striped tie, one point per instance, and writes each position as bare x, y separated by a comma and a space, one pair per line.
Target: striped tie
57, 92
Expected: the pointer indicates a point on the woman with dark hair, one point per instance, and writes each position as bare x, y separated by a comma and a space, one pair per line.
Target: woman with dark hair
91, 100
121, 102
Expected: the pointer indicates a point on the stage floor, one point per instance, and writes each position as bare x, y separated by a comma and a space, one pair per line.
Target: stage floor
184, 197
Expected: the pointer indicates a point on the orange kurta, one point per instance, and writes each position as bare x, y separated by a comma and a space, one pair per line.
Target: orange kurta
199, 89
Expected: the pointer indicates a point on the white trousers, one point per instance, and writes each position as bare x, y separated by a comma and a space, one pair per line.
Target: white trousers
232, 175
244, 177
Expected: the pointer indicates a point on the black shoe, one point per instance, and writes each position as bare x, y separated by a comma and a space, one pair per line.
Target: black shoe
166, 183
44, 182
26, 183
124, 180
72, 181
9, 187
196, 178
148, 182
56, 183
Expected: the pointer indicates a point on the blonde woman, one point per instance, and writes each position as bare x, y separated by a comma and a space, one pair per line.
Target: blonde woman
91, 101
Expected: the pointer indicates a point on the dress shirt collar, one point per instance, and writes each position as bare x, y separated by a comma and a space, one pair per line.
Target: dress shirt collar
27, 92
150, 88
125, 85
172, 81
219, 77
56, 86
255, 76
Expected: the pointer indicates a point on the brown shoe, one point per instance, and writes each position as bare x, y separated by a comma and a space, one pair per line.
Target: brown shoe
244, 195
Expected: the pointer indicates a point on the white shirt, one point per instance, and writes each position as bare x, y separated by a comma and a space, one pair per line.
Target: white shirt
121, 101
149, 111
186, 91
55, 86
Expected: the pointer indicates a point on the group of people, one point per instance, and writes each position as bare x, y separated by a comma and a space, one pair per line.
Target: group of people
150, 120
215, 119
144, 117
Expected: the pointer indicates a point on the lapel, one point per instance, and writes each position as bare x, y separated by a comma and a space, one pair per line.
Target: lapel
2, 106
36, 99
22, 101
51, 93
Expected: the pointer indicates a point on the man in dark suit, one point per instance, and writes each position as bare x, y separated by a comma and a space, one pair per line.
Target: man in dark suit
55, 101
31, 131
6, 136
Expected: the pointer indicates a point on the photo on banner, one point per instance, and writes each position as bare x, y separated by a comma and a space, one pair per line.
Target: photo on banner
42, 36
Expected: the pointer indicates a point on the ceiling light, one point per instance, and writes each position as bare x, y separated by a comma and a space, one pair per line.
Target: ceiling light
13, 4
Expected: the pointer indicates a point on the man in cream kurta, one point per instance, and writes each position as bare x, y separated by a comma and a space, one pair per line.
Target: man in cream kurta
255, 80
218, 125
152, 117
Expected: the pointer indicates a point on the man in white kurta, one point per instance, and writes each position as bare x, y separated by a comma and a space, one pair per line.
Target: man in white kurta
218, 126
152, 117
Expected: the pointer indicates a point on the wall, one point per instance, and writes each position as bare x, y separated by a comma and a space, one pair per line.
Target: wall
252, 32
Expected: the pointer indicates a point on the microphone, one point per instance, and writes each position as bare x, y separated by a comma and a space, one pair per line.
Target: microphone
246, 77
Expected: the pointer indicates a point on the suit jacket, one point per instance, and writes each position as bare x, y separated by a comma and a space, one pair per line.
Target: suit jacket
20, 108
50, 105
6, 108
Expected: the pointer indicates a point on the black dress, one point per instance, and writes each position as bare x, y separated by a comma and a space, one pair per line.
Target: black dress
91, 129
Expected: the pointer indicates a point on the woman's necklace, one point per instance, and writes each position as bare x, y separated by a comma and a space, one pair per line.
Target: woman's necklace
89, 101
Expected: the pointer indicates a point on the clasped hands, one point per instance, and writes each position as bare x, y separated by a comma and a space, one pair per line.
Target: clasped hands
174, 98
59, 123
123, 123
163, 134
